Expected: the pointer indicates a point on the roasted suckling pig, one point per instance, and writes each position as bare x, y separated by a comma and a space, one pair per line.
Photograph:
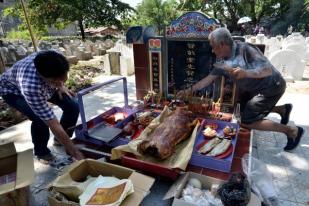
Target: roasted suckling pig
162, 141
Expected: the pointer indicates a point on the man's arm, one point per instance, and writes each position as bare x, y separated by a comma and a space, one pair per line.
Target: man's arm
204, 82
239, 73
259, 73
256, 60
62, 136
198, 86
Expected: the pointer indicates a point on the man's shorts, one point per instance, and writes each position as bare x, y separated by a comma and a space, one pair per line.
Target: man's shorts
257, 107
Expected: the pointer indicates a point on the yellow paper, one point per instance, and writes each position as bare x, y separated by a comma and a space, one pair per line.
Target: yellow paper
106, 191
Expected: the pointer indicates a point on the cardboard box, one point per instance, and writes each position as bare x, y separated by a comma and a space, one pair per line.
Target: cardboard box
176, 189
79, 171
16, 174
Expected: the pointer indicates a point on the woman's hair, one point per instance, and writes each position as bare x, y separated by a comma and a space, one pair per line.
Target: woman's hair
221, 35
51, 64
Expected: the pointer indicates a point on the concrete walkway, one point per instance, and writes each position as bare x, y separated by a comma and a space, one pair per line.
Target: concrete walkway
289, 171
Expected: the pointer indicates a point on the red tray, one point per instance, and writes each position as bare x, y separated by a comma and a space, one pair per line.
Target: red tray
129, 160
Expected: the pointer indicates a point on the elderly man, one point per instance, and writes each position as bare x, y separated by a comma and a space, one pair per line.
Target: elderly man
28, 86
261, 84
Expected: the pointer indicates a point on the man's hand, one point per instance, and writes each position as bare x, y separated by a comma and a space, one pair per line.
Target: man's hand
182, 94
238, 73
64, 139
75, 153
63, 90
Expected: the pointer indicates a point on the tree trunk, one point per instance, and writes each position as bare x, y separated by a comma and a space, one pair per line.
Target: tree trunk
81, 27
2, 64
253, 13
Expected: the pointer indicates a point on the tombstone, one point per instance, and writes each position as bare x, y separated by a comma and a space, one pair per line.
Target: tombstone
87, 55
65, 41
288, 63
88, 46
107, 65
81, 48
55, 42
98, 42
81, 54
4, 52
295, 37
126, 60
2, 62
61, 44
72, 59
272, 45
68, 51
77, 41
126, 66
298, 48
62, 51
12, 54
252, 40
114, 60
188, 56
108, 43
306, 56
98, 51
73, 48
84, 54
29, 44
260, 39
30, 50
48, 46
55, 47
21, 52
44, 45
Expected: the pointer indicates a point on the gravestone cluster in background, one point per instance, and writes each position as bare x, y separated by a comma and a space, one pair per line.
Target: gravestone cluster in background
118, 57
289, 55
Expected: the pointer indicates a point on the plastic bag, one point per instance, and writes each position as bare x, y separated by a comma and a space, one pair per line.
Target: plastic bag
260, 179
199, 197
235, 192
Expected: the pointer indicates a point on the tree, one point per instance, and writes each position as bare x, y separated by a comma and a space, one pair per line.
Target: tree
296, 14
22, 31
155, 12
276, 15
192, 5
226, 11
91, 13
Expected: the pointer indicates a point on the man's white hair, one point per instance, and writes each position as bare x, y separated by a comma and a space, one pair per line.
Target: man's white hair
221, 35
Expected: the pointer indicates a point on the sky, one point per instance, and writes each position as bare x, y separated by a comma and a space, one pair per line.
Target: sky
133, 3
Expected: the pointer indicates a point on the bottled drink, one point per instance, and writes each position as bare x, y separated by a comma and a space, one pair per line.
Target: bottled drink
236, 118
